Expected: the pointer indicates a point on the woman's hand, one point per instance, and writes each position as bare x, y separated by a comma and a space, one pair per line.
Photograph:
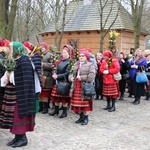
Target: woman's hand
122, 60
105, 71
72, 79
6, 81
134, 66
79, 77
54, 76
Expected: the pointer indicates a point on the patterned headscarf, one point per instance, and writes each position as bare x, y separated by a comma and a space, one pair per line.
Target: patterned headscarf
17, 48
70, 50
29, 45
85, 52
4, 42
43, 44
107, 53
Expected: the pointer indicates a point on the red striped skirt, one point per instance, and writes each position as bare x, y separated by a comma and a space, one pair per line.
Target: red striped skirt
46, 92
57, 98
22, 125
111, 90
8, 107
1, 97
77, 104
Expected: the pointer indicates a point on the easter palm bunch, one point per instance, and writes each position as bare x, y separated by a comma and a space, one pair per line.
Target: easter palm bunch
37, 49
54, 59
112, 40
71, 66
8, 63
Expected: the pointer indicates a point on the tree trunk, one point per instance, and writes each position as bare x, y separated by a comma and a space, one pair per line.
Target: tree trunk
7, 18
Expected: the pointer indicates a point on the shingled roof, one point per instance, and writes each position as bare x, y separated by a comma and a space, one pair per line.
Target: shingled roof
81, 17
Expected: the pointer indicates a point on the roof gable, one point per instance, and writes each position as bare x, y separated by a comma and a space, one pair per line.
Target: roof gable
81, 17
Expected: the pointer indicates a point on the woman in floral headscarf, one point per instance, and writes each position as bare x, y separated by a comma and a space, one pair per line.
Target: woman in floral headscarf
83, 71
19, 97
4, 49
62, 73
110, 66
138, 64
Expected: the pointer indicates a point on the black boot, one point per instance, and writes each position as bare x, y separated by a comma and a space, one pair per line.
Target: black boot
55, 111
61, 107
85, 120
147, 96
137, 101
81, 118
101, 97
53, 105
45, 110
113, 105
40, 106
97, 97
14, 140
22, 141
108, 104
64, 113
121, 96
68, 107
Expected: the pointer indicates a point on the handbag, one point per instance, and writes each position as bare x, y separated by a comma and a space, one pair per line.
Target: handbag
141, 77
117, 76
63, 87
89, 88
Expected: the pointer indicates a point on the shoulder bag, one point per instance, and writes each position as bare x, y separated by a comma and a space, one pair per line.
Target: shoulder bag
89, 88
141, 77
117, 76
63, 87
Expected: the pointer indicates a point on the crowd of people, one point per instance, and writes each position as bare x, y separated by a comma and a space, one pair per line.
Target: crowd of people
29, 83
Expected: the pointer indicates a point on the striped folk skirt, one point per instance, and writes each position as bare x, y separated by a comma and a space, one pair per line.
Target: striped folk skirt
111, 90
1, 97
57, 98
77, 104
23, 124
46, 92
8, 107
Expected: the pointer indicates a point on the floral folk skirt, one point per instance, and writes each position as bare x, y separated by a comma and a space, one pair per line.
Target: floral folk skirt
57, 98
77, 103
23, 124
8, 107
111, 90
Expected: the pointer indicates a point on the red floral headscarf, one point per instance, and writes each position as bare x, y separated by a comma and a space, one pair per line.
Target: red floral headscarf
107, 53
85, 52
4, 42
29, 45
43, 44
70, 50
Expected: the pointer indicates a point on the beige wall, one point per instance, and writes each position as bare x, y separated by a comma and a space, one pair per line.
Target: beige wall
91, 39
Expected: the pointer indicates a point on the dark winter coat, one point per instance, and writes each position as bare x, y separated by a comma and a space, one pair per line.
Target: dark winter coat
25, 87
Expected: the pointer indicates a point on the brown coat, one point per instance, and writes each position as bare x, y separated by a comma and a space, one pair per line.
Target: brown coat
47, 70
87, 71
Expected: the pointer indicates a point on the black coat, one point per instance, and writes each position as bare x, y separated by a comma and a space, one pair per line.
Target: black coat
63, 70
25, 87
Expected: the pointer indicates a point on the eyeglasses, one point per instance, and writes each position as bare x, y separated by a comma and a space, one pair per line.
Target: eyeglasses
81, 55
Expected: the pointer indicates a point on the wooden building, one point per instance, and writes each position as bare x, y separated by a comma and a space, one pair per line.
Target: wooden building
82, 27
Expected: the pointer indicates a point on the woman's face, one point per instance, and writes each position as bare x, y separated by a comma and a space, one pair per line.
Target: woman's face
82, 57
148, 57
139, 52
106, 57
121, 56
65, 54
99, 56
